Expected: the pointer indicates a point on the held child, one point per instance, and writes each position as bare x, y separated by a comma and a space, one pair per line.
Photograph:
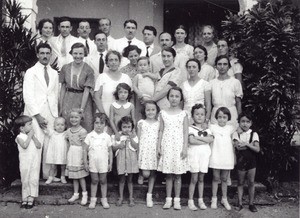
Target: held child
198, 154
121, 107
172, 145
57, 149
246, 144
75, 166
148, 138
126, 153
29, 156
98, 147
222, 155
143, 82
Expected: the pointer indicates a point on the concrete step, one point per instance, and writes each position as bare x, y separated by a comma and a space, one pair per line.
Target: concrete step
57, 193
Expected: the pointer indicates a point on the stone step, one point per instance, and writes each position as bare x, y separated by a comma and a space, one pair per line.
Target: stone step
57, 193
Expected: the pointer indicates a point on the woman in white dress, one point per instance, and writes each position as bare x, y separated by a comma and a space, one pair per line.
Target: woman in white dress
180, 45
226, 91
107, 82
196, 90
207, 72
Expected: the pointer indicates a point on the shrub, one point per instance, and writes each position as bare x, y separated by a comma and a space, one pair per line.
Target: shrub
17, 55
266, 41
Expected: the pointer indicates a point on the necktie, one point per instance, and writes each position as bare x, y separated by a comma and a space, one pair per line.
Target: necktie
63, 49
147, 54
129, 42
101, 63
87, 46
46, 75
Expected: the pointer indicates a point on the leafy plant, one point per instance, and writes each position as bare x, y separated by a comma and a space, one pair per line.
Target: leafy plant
17, 54
267, 42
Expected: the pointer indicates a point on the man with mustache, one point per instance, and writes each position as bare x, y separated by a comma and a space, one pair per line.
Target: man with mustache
156, 63
40, 94
130, 27
84, 31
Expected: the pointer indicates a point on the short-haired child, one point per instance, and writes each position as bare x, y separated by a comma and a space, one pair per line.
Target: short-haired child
222, 155
99, 152
147, 131
75, 165
247, 147
29, 158
122, 107
126, 153
57, 149
198, 154
143, 82
172, 145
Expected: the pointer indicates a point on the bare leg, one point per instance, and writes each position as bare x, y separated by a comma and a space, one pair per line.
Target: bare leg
240, 188
94, 184
215, 182
130, 189
121, 189
194, 180
63, 169
103, 184
251, 186
82, 184
177, 185
224, 177
169, 185
201, 184
76, 185
151, 181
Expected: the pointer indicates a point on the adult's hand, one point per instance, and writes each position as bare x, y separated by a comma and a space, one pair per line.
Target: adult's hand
41, 121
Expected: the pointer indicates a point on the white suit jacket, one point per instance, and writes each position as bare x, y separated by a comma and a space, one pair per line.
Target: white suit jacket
36, 92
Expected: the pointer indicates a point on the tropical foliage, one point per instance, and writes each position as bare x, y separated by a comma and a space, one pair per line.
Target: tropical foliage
266, 40
16, 55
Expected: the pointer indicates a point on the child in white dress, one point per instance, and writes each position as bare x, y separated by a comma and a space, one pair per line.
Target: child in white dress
75, 165
222, 155
98, 149
198, 154
148, 139
172, 145
57, 149
126, 152
122, 107
28, 146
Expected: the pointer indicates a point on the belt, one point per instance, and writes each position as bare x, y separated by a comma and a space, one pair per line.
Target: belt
74, 90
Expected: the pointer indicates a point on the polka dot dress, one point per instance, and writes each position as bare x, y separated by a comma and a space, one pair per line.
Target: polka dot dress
172, 144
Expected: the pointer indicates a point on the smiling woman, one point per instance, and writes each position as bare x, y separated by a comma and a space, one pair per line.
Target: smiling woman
77, 82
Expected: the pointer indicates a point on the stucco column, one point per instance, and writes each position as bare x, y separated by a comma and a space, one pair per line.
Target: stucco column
29, 7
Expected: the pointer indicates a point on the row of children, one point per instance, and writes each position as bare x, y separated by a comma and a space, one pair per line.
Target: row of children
164, 142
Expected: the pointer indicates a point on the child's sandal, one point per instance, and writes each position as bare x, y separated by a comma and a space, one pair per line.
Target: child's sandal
131, 202
119, 202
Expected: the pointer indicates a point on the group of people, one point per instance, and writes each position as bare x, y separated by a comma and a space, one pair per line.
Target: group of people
126, 106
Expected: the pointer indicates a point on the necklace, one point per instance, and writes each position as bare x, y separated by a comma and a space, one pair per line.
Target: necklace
75, 130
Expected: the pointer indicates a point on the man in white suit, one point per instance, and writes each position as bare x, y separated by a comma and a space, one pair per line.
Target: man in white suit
40, 94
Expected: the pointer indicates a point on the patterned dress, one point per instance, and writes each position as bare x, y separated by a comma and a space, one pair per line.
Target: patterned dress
172, 144
75, 84
148, 144
75, 166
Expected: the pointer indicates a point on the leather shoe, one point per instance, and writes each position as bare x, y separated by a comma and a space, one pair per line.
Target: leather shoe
30, 205
252, 208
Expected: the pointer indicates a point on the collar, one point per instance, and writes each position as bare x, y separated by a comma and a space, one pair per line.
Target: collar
118, 106
150, 46
96, 135
248, 132
42, 66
